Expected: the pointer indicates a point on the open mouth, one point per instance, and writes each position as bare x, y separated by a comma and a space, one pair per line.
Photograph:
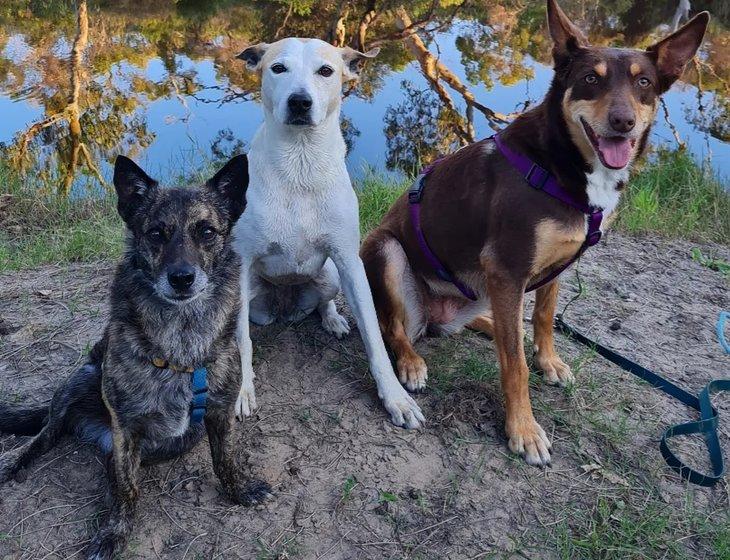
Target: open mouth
613, 151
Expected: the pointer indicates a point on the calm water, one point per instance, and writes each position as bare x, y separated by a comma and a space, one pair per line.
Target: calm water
158, 81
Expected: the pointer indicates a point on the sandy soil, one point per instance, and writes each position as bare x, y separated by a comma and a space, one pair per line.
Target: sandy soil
349, 485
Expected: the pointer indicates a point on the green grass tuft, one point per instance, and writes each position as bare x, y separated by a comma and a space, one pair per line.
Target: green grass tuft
376, 195
39, 228
676, 197
672, 196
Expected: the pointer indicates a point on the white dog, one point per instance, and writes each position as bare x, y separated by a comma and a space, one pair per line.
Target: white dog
301, 223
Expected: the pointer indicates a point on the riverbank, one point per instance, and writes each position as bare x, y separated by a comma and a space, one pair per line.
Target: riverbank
672, 196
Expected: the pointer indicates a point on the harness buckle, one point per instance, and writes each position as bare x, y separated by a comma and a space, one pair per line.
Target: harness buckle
538, 184
415, 193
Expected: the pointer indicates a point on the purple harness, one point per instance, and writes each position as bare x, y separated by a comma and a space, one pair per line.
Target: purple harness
538, 178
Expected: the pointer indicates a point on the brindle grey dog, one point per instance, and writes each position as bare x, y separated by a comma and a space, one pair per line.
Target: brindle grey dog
174, 306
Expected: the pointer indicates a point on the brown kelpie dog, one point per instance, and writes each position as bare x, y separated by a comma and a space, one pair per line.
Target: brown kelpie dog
484, 231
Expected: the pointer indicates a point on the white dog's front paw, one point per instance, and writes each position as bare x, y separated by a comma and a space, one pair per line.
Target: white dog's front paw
403, 409
246, 403
335, 324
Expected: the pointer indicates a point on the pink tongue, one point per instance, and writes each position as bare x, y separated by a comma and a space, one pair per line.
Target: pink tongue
616, 152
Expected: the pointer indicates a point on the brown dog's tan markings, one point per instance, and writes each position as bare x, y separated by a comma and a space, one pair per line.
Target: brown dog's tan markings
499, 235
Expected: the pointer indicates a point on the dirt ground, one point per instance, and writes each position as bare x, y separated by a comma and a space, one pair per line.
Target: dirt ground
349, 485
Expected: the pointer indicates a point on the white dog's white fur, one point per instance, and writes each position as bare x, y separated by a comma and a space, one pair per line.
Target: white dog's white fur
301, 227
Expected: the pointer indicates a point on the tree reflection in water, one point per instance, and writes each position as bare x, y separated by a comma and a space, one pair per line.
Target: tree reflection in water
95, 67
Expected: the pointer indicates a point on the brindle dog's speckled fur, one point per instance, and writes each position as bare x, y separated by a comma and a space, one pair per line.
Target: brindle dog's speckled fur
133, 410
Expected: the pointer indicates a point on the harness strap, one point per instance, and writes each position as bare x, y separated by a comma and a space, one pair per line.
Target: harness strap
706, 425
541, 179
414, 203
199, 385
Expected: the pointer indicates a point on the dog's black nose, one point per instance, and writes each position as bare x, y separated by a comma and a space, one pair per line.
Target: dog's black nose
181, 278
299, 103
622, 120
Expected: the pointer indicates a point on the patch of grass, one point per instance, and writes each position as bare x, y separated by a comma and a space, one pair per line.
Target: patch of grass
375, 196
676, 197
387, 497
455, 363
711, 262
348, 487
40, 228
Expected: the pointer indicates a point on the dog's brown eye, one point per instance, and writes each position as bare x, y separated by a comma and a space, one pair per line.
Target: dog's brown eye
156, 235
325, 71
278, 68
644, 82
591, 79
207, 233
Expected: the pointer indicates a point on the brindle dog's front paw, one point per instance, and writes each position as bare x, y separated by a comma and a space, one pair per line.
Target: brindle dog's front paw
255, 492
103, 546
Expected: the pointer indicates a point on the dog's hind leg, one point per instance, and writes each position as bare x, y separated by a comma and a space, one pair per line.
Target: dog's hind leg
63, 414
239, 490
483, 324
327, 286
555, 371
401, 315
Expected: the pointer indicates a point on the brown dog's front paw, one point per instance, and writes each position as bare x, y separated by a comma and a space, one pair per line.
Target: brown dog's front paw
555, 371
255, 492
527, 438
412, 372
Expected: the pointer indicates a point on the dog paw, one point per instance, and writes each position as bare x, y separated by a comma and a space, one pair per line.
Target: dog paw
255, 492
102, 547
403, 410
413, 373
530, 440
555, 371
335, 324
246, 402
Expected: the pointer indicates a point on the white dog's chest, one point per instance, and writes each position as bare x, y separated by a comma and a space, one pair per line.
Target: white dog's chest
286, 243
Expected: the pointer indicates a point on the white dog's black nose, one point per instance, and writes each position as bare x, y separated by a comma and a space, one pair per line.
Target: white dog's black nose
299, 103
181, 278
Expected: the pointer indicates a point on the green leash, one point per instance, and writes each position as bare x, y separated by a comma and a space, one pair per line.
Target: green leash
706, 425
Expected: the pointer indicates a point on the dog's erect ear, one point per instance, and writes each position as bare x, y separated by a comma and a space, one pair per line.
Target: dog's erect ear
354, 61
672, 53
230, 184
567, 38
132, 185
252, 56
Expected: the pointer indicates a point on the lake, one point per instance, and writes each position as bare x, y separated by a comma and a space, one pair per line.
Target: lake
81, 82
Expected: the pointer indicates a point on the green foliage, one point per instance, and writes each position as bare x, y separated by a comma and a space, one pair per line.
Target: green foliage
387, 497
38, 228
676, 197
376, 195
711, 262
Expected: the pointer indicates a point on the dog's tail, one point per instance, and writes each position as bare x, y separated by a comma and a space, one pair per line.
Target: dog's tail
23, 420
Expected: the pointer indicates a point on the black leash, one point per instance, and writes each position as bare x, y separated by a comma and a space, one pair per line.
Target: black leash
706, 425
